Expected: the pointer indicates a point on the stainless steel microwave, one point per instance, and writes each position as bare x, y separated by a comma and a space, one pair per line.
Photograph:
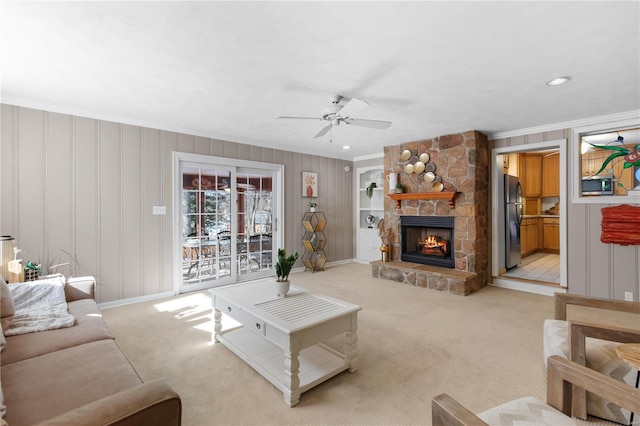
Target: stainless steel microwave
597, 185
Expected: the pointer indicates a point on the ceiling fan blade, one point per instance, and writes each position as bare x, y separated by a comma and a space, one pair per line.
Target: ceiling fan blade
298, 118
373, 124
323, 131
352, 106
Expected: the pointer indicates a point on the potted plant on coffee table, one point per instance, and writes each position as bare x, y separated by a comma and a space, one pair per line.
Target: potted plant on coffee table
283, 268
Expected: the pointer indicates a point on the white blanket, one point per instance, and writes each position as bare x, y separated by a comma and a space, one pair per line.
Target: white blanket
40, 305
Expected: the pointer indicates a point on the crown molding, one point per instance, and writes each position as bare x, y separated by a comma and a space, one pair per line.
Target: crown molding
369, 157
565, 125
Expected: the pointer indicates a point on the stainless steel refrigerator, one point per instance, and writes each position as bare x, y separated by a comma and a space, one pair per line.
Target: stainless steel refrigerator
513, 208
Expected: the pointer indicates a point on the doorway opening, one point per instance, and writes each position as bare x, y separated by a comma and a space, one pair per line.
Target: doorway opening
541, 231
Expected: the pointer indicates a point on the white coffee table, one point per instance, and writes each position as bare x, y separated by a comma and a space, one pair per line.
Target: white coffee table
281, 337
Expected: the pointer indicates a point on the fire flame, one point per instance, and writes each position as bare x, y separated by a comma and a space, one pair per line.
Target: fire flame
433, 244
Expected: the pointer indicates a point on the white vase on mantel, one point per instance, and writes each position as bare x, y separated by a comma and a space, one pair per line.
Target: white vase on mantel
282, 288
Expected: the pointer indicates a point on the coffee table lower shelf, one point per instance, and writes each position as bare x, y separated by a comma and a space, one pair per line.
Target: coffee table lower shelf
317, 363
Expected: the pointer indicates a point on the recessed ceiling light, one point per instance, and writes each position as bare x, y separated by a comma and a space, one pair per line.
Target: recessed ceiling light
558, 81
346, 147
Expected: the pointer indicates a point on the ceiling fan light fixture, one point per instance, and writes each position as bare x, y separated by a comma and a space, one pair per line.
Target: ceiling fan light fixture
335, 121
558, 81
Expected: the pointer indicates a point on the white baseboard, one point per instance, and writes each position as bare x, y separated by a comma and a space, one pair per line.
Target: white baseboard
123, 302
527, 287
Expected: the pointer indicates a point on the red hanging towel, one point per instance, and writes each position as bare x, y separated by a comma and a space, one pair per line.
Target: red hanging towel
621, 225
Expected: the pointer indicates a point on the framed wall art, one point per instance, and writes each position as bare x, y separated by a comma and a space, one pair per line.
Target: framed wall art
309, 184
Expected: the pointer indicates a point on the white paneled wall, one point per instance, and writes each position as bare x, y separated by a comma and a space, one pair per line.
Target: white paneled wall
87, 186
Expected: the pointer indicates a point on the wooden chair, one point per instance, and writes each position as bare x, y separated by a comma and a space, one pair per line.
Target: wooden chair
561, 375
592, 345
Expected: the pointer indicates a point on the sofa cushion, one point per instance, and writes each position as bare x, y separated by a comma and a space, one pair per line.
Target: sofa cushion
42, 387
7, 310
89, 327
601, 357
525, 411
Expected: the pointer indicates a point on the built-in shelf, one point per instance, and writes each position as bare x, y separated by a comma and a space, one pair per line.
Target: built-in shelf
445, 195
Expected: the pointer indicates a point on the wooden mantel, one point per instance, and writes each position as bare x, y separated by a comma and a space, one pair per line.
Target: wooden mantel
445, 195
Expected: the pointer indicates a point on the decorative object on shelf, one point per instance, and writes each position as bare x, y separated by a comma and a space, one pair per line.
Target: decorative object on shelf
15, 269
399, 188
385, 238
392, 178
370, 219
283, 268
312, 206
405, 155
429, 177
369, 189
7, 244
419, 165
385, 249
314, 241
384, 232
31, 271
437, 185
309, 184
408, 169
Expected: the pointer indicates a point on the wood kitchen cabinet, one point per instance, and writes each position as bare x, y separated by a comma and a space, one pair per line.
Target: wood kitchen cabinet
510, 164
551, 231
551, 175
530, 172
529, 236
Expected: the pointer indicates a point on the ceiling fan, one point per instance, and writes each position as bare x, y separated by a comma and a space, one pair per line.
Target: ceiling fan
336, 113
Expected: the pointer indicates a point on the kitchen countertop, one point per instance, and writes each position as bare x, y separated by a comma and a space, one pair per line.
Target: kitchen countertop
529, 216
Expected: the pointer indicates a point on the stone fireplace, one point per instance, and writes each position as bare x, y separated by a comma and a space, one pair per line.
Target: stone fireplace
462, 165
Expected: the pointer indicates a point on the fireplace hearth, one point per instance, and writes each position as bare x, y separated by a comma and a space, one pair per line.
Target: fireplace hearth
427, 240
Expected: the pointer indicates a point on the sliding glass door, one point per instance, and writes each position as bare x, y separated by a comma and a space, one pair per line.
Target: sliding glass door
226, 230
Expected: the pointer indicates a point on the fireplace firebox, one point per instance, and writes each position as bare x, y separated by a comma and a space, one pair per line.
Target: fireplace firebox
427, 240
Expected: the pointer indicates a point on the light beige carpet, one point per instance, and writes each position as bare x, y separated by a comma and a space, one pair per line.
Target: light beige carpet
414, 343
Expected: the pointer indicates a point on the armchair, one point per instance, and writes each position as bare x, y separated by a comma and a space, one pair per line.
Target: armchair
561, 374
593, 345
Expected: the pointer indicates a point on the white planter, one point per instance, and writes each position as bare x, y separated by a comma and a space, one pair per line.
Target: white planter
312, 209
282, 288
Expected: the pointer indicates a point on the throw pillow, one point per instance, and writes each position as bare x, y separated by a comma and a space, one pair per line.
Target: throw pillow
7, 310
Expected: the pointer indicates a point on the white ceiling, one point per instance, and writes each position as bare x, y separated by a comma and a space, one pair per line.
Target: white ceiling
225, 70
